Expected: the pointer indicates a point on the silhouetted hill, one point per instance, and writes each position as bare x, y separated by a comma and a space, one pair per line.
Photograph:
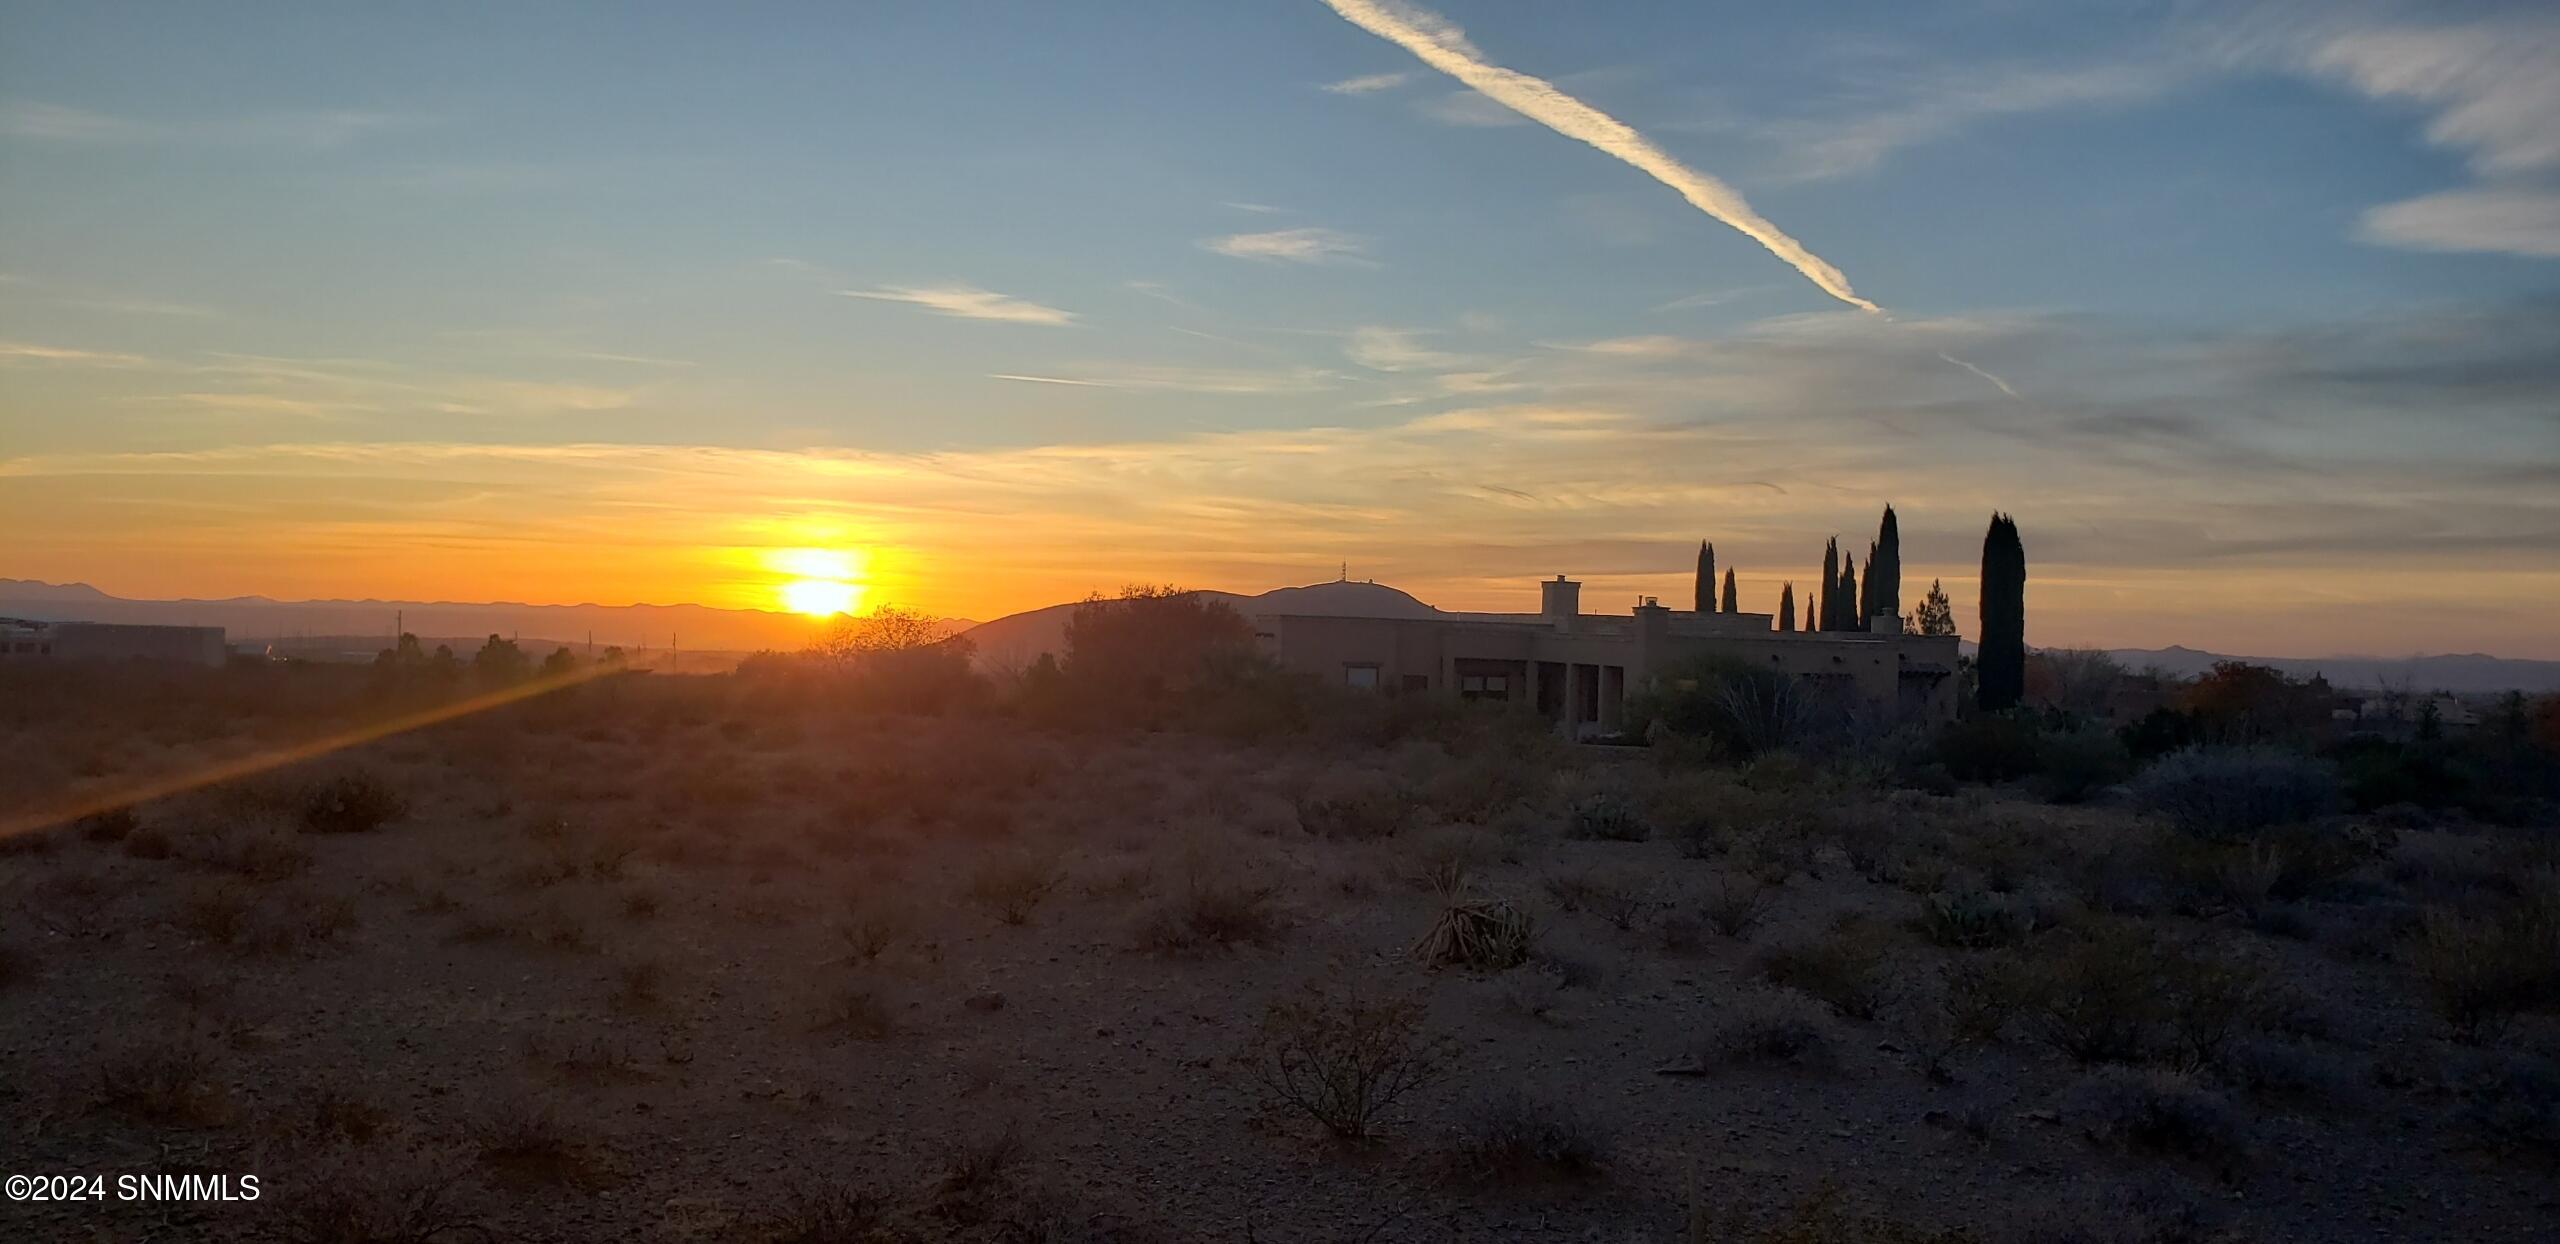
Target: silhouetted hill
1017, 640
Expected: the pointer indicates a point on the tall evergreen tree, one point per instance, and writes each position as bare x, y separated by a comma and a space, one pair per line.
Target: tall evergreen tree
1821, 604
1848, 594
1787, 607
1706, 587
1732, 599
2001, 663
1808, 614
1867, 589
1884, 568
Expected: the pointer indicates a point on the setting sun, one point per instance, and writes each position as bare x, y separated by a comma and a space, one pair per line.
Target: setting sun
820, 598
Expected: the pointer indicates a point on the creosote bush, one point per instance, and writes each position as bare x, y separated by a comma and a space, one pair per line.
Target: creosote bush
1765, 1026
1014, 885
355, 802
1509, 1133
2158, 1112
2226, 792
1345, 1057
1210, 912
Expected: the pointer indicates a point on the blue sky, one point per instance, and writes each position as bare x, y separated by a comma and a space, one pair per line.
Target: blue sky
2249, 311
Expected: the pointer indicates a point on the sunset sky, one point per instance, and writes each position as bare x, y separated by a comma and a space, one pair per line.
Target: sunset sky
2249, 313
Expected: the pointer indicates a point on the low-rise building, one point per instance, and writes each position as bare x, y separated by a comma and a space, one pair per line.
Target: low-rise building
26, 640
1578, 669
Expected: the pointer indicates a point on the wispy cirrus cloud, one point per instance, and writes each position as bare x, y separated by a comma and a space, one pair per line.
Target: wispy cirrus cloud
28, 352
1913, 108
1367, 84
1138, 377
2490, 88
1443, 46
1309, 245
2509, 220
967, 302
1395, 349
315, 128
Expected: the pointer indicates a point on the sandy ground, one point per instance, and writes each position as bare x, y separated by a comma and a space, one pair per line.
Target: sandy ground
608, 978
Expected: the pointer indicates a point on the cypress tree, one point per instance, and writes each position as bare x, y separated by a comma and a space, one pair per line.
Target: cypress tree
1867, 589
1808, 614
1884, 568
1787, 607
1821, 602
1849, 595
1732, 599
2001, 660
1706, 587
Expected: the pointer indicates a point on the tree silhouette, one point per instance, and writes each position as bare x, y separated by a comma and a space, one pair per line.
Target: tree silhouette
1732, 599
1821, 604
1787, 607
1848, 597
1706, 586
1884, 568
1937, 614
2001, 660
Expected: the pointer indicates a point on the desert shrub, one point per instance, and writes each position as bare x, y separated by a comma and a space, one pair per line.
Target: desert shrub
1844, 968
2072, 765
1608, 817
1533, 991
2161, 1210
1211, 912
2000, 747
1508, 1133
823, 1211
2226, 792
2097, 997
1766, 1026
527, 1141
855, 1011
1374, 813
2512, 1103
110, 825
1708, 825
1737, 709
1983, 995
255, 855
1477, 931
1734, 905
2158, 1112
164, 1083
869, 929
1013, 885
2278, 1068
1345, 1058
215, 914
2208, 999
355, 802
366, 1197
1976, 920
297, 919
2481, 970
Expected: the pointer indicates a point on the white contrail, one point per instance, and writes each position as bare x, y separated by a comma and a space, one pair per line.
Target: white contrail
1443, 46
2003, 384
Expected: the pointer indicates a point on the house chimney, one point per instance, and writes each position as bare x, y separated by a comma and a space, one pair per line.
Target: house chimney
1560, 600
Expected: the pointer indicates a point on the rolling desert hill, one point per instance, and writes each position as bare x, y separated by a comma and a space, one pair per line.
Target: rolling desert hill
1016, 640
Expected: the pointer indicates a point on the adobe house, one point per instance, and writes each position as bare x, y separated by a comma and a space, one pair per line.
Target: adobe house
1578, 668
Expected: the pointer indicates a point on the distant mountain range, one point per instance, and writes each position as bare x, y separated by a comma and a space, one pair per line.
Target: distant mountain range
1010, 642
2465, 673
253, 618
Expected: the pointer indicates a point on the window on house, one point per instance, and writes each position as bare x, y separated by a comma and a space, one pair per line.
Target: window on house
1362, 676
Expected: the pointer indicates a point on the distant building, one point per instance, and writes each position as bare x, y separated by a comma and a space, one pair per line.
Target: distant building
1577, 669
24, 640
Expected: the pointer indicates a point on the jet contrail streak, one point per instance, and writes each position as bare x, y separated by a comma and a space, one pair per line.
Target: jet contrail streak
2003, 384
1444, 47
